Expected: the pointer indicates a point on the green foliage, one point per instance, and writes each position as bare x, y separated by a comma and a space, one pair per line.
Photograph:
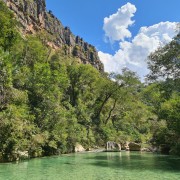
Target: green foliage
170, 110
5, 78
163, 95
58, 104
165, 62
8, 34
49, 102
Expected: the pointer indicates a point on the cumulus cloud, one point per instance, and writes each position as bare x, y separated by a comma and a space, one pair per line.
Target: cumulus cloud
133, 54
116, 25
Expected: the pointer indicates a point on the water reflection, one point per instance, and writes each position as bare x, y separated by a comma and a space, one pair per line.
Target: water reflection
138, 161
95, 166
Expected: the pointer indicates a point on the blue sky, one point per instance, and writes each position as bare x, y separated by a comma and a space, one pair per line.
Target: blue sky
121, 34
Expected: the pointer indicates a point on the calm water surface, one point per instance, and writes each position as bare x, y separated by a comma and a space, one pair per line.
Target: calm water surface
95, 166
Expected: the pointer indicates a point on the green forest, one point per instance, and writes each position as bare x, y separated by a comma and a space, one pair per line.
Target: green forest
49, 102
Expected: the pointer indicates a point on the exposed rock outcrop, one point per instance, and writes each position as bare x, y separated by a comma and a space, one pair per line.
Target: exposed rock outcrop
113, 147
78, 148
22, 155
145, 150
125, 146
34, 17
134, 146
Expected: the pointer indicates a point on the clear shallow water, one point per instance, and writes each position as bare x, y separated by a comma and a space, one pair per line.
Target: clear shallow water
95, 166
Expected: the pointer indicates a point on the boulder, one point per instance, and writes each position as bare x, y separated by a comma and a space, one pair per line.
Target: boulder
17, 156
145, 150
113, 147
134, 146
79, 148
22, 155
125, 146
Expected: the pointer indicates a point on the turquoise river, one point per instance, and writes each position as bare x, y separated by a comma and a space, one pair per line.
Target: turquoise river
95, 166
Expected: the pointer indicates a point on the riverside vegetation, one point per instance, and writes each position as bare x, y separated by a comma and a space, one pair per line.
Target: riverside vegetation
49, 102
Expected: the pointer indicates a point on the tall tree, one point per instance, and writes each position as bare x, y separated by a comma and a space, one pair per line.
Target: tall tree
165, 62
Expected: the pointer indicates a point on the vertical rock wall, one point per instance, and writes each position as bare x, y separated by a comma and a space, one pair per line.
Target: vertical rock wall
34, 17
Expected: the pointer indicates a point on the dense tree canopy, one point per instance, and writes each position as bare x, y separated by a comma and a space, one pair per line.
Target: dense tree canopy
164, 94
49, 102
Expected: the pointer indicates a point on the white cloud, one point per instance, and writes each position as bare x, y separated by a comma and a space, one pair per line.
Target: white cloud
116, 25
133, 54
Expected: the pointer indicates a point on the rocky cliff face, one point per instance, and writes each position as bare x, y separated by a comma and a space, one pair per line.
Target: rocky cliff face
34, 17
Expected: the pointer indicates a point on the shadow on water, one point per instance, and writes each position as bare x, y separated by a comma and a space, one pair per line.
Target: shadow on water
95, 166
137, 161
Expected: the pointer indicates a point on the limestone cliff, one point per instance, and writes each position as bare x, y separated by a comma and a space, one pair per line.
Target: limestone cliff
34, 17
